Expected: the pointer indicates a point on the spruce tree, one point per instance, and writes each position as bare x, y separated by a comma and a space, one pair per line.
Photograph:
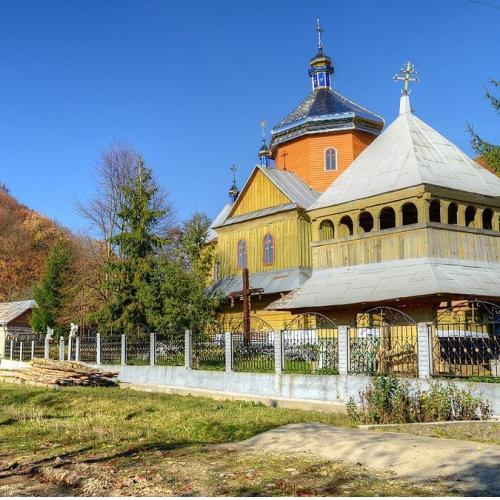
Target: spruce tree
131, 270
490, 153
49, 292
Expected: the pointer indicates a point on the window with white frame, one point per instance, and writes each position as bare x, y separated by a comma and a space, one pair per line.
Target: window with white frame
330, 159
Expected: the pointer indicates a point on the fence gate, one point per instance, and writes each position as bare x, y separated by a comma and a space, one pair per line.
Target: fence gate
383, 340
466, 340
253, 352
310, 345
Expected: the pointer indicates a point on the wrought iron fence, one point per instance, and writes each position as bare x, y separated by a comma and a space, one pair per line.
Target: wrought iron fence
88, 348
310, 345
111, 349
169, 350
138, 350
382, 341
208, 351
466, 340
253, 352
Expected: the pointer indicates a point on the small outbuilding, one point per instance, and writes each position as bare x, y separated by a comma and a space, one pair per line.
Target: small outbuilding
15, 319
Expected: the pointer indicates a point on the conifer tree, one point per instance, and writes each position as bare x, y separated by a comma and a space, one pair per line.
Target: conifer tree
49, 294
138, 243
490, 153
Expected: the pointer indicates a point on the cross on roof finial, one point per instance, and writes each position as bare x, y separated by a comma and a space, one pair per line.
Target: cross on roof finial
319, 31
234, 169
263, 125
408, 74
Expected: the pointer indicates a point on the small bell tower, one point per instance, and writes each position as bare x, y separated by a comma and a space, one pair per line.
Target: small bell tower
321, 66
264, 151
233, 191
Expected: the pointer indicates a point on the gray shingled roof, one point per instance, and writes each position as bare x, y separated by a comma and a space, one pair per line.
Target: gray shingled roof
325, 110
408, 153
11, 310
221, 217
271, 281
368, 283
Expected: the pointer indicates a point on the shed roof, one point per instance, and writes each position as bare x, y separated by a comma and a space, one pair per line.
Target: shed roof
408, 153
383, 281
12, 310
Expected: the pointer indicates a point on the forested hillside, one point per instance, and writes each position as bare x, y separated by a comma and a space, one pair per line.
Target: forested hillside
25, 240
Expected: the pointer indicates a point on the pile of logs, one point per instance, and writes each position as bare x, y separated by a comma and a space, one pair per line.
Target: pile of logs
47, 372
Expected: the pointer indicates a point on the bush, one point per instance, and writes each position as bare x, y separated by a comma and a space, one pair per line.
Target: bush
389, 400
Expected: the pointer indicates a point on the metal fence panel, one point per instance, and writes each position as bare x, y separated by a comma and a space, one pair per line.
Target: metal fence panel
88, 349
111, 348
383, 349
310, 351
138, 350
169, 350
208, 351
254, 352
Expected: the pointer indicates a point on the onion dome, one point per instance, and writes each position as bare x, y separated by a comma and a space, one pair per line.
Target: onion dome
264, 154
233, 190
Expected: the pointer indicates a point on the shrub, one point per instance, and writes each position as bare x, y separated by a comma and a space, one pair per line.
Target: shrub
389, 400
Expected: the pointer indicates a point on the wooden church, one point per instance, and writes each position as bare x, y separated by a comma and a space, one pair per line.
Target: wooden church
341, 214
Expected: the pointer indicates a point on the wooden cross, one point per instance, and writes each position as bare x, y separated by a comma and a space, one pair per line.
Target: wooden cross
245, 295
284, 155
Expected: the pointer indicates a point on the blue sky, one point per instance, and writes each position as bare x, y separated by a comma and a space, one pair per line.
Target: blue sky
186, 83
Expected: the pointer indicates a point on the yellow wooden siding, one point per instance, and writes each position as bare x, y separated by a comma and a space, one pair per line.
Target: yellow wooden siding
291, 235
261, 193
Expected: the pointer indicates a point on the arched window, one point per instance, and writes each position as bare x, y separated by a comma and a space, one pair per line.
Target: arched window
366, 221
452, 213
326, 230
268, 250
242, 254
488, 219
410, 214
470, 215
330, 159
435, 211
345, 226
387, 218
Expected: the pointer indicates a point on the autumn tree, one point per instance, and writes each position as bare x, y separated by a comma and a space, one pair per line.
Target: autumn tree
488, 152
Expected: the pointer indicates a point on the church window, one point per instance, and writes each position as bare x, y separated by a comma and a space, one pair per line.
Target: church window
488, 219
326, 230
345, 226
330, 159
242, 254
387, 218
452, 213
410, 214
366, 221
435, 211
268, 250
470, 214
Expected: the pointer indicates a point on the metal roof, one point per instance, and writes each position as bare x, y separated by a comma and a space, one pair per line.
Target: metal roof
408, 153
271, 281
11, 310
258, 213
393, 280
325, 110
221, 217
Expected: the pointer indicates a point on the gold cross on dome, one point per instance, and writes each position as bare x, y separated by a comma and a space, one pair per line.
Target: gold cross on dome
319, 31
408, 74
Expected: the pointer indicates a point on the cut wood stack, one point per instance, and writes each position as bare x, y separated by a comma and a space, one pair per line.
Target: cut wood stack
48, 372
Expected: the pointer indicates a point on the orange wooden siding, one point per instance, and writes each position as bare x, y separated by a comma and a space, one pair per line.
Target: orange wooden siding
305, 155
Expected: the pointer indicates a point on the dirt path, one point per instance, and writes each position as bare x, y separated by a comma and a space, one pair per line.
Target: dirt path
472, 467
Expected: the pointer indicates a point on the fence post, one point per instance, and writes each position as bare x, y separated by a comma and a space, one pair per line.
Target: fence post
228, 351
98, 349
61, 349
32, 349
11, 350
21, 351
152, 349
77, 348
46, 347
188, 349
278, 351
424, 350
343, 339
123, 357
70, 341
